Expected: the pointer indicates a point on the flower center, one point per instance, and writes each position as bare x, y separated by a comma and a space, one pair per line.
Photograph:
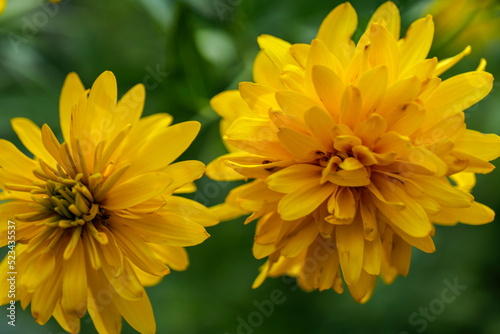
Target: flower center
66, 202
72, 201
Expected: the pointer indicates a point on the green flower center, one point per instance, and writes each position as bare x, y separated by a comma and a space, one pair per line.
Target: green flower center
65, 202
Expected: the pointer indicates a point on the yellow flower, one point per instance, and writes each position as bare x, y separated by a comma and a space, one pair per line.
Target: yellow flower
474, 22
95, 217
351, 147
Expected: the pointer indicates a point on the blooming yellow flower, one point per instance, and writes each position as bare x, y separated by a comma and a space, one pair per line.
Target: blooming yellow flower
95, 217
474, 22
352, 148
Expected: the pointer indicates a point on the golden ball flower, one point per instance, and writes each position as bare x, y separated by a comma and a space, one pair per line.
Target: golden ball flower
355, 151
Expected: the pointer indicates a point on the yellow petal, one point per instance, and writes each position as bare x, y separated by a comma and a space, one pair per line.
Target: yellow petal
165, 147
401, 255
104, 314
457, 94
425, 244
483, 146
362, 290
293, 77
388, 12
293, 178
299, 145
393, 142
15, 162
261, 251
138, 313
70, 96
262, 169
320, 125
265, 73
350, 164
191, 210
52, 144
406, 119
349, 178
294, 104
259, 98
423, 69
268, 229
412, 219
415, 46
74, 283
364, 155
447, 63
111, 252
350, 107
218, 169
383, 50
470, 163
256, 136
302, 202
70, 323
372, 85
464, 181
482, 65
256, 196
229, 105
44, 300
345, 143
400, 92
175, 257
329, 272
277, 50
368, 213
422, 160
182, 173
165, 228
300, 52
129, 108
101, 106
476, 214
301, 239
329, 88
31, 137
137, 251
372, 257
336, 31
136, 190
370, 129
443, 192
345, 207
145, 129
226, 211
126, 283
38, 271
350, 244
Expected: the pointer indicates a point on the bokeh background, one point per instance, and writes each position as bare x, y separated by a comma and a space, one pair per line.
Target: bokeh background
187, 51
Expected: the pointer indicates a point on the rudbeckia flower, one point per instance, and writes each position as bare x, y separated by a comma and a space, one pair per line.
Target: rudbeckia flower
96, 218
355, 151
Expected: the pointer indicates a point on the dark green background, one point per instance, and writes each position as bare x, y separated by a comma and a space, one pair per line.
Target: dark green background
205, 53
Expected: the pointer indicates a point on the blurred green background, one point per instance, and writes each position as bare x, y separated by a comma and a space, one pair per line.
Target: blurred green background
185, 52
